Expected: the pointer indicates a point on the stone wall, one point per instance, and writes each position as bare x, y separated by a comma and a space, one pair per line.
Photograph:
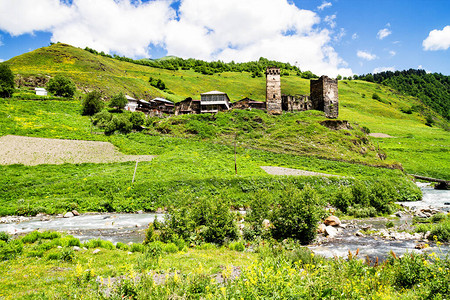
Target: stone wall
273, 91
295, 103
324, 96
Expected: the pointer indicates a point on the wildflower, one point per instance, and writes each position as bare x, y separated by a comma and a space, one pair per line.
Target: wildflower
224, 291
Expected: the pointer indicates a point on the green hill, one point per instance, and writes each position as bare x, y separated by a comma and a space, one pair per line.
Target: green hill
420, 148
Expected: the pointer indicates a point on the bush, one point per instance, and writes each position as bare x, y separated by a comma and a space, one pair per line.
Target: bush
236, 246
98, 243
122, 246
200, 220
441, 231
135, 247
92, 103
102, 118
4, 236
119, 123
170, 248
429, 121
260, 209
343, 199
118, 101
297, 215
11, 249
438, 217
6, 81
362, 212
61, 86
137, 119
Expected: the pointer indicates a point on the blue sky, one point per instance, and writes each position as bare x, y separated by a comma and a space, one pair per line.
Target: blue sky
325, 36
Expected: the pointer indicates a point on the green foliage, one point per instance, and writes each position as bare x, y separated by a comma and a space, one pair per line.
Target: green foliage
92, 103
34, 236
122, 246
157, 83
6, 81
98, 243
389, 224
10, 249
432, 89
118, 101
4, 236
441, 231
61, 86
137, 119
150, 235
201, 219
119, 123
135, 247
297, 214
236, 246
429, 121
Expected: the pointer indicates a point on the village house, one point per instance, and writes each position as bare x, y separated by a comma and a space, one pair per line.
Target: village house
40, 91
214, 101
132, 103
248, 103
187, 106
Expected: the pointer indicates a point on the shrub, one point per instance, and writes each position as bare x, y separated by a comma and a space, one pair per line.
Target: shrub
297, 215
61, 86
6, 81
67, 254
4, 236
343, 199
438, 217
102, 118
11, 249
441, 231
200, 220
118, 101
170, 248
409, 270
260, 209
236, 246
119, 123
98, 243
150, 235
429, 121
137, 119
135, 247
122, 246
362, 212
92, 103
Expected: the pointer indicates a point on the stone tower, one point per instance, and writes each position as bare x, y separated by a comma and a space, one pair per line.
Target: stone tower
273, 91
324, 96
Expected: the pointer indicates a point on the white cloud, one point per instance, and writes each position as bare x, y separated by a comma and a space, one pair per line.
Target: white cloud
324, 5
437, 40
112, 26
383, 69
419, 67
241, 31
331, 20
392, 53
204, 29
383, 33
1, 60
355, 36
366, 55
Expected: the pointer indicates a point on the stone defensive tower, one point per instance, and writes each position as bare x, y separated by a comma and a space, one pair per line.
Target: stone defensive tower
273, 91
324, 96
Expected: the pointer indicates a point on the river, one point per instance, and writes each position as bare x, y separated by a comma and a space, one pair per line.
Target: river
116, 227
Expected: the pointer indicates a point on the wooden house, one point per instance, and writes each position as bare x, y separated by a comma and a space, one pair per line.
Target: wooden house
214, 101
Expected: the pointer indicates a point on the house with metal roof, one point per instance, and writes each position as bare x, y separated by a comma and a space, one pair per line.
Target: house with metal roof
214, 101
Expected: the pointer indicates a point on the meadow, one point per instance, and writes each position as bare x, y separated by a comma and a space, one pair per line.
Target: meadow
46, 266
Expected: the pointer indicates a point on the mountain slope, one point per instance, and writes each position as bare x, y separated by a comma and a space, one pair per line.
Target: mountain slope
420, 148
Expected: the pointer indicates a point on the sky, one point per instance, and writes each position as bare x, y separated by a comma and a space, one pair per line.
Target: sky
327, 37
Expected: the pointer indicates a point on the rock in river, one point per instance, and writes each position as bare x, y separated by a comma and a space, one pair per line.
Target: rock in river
332, 221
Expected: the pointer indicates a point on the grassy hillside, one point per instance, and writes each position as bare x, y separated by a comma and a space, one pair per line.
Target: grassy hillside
420, 148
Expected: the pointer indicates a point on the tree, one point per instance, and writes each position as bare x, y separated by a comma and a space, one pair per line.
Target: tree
92, 103
339, 77
61, 86
118, 101
6, 81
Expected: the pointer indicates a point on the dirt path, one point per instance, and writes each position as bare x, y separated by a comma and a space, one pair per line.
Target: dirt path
380, 135
293, 172
35, 151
